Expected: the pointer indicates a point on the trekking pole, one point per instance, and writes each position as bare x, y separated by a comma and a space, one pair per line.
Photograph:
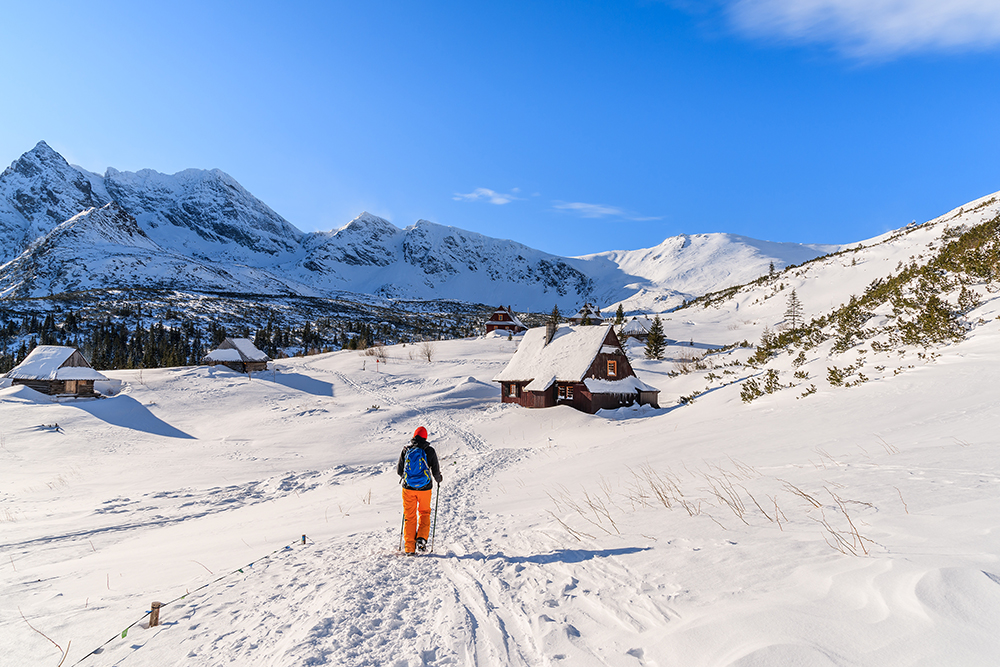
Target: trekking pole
434, 525
401, 522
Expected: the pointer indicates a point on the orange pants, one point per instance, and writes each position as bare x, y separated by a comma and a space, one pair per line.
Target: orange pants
416, 517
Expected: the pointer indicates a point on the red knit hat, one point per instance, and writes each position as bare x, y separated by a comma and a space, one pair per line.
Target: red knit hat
421, 432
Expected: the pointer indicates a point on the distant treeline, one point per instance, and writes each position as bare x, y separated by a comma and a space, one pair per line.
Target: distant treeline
127, 339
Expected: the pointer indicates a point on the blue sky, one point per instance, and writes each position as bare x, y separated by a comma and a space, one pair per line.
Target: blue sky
572, 127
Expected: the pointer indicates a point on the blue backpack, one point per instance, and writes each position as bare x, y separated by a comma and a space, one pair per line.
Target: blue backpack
416, 472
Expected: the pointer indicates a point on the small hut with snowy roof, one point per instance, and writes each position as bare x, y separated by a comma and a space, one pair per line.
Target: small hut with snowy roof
588, 314
239, 354
504, 318
582, 367
638, 328
56, 370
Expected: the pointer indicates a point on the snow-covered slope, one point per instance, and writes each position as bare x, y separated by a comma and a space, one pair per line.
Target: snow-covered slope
428, 260
823, 285
208, 218
686, 266
104, 247
853, 527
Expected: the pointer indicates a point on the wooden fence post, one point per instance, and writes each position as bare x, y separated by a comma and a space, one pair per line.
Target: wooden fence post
154, 615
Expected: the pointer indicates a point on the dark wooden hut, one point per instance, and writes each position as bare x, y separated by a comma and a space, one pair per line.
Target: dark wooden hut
504, 319
239, 354
56, 370
588, 314
582, 367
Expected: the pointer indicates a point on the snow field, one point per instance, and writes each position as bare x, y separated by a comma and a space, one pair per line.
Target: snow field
555, 543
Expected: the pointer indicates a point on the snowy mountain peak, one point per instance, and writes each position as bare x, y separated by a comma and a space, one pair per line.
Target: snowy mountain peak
37, 192
206, 213
368, 223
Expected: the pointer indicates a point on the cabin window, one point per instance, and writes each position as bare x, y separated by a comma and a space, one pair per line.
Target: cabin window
569, 393
612, 368
562, 391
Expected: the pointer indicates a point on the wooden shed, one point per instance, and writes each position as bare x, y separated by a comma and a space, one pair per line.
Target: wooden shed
239, 354
638, 328
588, 313
582, 367
503, 318
56, 370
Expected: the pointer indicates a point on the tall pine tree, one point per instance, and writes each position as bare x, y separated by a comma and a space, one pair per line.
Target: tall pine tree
793, 313
655, 342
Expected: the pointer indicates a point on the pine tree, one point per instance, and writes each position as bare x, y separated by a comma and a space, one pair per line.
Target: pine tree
655, 342
793, 313
554, 316
619, 315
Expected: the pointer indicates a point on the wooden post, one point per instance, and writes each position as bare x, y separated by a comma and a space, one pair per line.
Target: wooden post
154, 615
303, 539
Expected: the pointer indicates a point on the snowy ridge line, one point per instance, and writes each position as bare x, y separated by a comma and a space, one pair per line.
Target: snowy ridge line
124, 632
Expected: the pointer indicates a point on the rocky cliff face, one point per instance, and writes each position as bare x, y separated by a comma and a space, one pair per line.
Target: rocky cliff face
37, 192
205, 213
106, 248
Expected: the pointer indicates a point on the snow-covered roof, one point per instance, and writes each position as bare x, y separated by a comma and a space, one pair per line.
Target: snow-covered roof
513, 318
236, 349
224, 355
249, 350
637, 325
46, 363
566, 359
587, 311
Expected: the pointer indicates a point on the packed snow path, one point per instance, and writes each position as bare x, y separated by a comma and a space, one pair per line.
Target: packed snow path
485, 597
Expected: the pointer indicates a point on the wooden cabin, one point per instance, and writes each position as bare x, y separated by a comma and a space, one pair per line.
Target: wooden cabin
239, 354
588, 313
582, 367
56, 370
504, 319
638, 328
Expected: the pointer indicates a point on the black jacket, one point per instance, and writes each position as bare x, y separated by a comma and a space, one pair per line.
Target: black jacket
432, 461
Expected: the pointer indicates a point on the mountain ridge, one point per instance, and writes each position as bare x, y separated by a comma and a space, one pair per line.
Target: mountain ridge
205, 220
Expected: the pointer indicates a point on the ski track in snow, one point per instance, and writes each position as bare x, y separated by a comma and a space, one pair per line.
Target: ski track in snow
356, 601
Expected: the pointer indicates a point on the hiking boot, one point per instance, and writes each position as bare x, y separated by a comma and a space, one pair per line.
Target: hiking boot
421, 544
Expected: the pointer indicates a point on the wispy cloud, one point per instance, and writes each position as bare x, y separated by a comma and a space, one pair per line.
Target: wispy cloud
874, 28
485, 194
599, 211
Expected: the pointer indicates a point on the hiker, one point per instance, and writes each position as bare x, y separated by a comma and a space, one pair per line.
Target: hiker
418, 464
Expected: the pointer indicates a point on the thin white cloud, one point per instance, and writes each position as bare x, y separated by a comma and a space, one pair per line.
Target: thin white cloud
599, 211
485, 194
874, 28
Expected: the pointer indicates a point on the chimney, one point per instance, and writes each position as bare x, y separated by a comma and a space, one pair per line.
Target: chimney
550, 331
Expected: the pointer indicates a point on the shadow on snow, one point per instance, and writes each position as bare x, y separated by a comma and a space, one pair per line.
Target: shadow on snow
557, 556
300, 382
127, 412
